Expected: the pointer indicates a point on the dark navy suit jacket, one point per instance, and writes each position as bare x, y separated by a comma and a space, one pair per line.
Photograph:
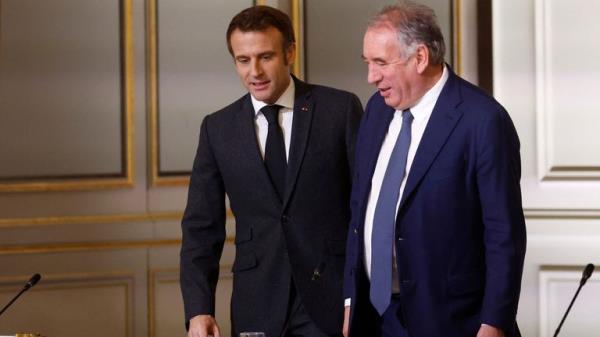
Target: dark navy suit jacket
460, 230
295, 242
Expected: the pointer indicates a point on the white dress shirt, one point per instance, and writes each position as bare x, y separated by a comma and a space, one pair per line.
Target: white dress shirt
285, 116
421, 112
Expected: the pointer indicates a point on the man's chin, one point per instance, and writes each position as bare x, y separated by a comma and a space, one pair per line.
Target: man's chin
390, 102
263, 97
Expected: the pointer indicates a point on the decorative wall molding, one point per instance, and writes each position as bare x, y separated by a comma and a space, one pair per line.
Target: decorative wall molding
549, 317
89, 219
549, 167
156, 177
77, 281
126, 179
297, 17
555, 213
161, 276
94, 219
86, 246
457, 36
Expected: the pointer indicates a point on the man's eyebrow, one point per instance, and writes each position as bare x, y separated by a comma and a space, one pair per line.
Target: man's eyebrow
267, 53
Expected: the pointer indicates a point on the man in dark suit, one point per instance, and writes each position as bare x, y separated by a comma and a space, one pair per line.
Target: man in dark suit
283, 155
437, 237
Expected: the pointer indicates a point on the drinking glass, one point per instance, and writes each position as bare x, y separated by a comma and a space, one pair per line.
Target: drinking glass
252, 334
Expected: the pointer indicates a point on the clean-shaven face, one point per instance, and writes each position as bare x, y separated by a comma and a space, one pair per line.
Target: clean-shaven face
394, 76
261, 62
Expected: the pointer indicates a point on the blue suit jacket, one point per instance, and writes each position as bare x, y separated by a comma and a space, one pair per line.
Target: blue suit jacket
460, 230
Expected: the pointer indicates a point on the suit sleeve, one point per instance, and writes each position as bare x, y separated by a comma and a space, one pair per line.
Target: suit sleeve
349, 286
498, 176
355, 112
203, 231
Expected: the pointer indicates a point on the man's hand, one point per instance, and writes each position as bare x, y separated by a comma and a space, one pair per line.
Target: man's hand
346, 321
489, 331
203, 326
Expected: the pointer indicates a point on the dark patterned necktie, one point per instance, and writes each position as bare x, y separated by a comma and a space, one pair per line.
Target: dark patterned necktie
275, 159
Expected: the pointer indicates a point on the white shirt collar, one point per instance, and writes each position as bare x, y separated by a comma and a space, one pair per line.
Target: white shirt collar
286, 99
425, 105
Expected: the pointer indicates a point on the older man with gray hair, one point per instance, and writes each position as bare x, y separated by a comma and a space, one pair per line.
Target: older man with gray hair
437, 235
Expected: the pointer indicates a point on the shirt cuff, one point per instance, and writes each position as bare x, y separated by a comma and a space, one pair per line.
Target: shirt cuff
347, 302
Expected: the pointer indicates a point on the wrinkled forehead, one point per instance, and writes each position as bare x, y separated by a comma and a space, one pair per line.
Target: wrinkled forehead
382, 37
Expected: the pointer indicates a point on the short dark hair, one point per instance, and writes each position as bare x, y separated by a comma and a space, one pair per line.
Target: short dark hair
260, 18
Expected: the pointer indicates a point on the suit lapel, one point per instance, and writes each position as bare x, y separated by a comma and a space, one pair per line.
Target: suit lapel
443, 120
303, 113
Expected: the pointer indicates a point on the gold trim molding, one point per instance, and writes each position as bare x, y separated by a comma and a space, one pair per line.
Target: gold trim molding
457, 36
94, 219
127, 103
92, 246
88, 246
89, 219
155, 178
152, 102
298, 24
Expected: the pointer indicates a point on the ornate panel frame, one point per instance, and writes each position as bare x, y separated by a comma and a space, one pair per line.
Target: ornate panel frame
126, 178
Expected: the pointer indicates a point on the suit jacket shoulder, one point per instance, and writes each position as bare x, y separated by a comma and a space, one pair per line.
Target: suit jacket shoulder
230, 111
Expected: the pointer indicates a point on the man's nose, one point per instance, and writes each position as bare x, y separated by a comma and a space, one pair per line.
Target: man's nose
255, 68
373, 74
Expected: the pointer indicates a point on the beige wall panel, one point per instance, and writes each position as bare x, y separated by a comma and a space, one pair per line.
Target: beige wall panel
76, 288
80, 233
468, 30
109, 201
568, 100
557, 287
72, 306
195, 71
334, 35
168, 306
168, 229
534, 78
87, 203
521, 84
60, 88
168, 319
167, 198
165, 301
562, 246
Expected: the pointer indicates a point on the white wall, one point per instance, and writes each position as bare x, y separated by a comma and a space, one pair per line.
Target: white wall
546, 75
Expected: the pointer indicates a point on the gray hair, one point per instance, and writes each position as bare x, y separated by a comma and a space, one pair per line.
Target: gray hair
415, 24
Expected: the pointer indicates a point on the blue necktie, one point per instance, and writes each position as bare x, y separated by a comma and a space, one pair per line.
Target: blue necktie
382, 239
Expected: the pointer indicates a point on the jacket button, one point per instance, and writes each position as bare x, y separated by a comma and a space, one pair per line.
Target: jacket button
284, 219
355, 231
400, 239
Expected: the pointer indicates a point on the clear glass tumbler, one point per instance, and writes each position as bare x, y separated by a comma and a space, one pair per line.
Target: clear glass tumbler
252, 334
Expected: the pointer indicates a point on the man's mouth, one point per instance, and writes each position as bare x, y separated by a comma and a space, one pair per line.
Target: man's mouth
259, 85
384, 91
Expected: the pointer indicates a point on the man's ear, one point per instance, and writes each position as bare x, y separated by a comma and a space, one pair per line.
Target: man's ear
290, 54
422, 58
